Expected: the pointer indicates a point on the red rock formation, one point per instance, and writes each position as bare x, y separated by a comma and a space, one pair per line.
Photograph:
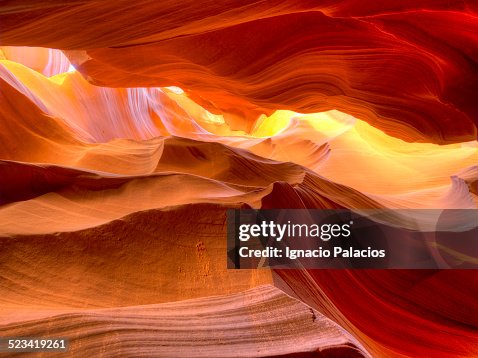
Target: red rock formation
408, 69
114, 189
166, 330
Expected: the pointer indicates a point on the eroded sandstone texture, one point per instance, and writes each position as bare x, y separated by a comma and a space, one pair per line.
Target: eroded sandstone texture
127, 129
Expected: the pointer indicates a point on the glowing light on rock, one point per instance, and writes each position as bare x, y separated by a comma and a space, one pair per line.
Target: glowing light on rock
175, 89
122, 146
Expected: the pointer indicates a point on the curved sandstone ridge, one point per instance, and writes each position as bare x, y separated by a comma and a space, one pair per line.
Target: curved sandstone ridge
98, 240
64, 120
65, 199
261, 322
146, 257
114, 189
180, 253
407, 68
408, 313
